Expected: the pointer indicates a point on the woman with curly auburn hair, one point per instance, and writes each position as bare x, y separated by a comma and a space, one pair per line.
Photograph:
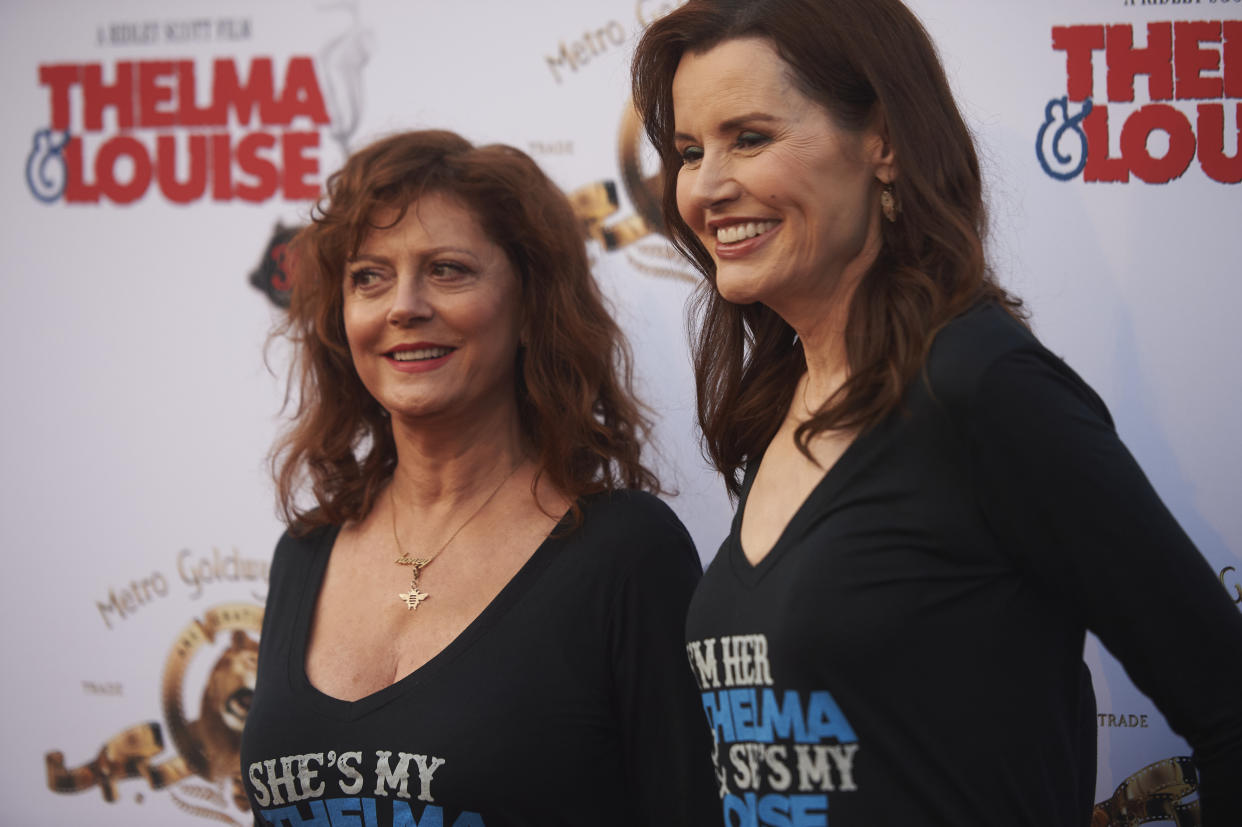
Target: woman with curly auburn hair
933, 509
475, 618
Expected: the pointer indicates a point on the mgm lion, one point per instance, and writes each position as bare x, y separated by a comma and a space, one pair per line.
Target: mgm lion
209, 747
226, 700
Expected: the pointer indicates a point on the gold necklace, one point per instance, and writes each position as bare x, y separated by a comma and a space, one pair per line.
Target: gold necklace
415, 595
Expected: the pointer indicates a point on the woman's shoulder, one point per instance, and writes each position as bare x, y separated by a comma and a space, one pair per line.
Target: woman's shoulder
986, 356
629, 513
969, 344
631, 502
626, 523
298, 546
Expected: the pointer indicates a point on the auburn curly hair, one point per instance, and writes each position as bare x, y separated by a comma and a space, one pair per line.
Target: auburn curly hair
574, 394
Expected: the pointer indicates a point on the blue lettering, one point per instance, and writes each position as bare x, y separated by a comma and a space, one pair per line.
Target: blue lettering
342, 817
782, 721
290, 817
743, 808
402, 816
808, 810
278, 816
717, 709
361, 812
742, 707
825, 720
774, 811
744, 715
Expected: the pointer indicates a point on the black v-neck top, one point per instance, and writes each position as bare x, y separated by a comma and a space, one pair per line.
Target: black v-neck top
567, 701
910, 650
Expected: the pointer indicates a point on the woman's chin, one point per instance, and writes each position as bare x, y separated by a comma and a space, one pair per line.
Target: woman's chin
737, 292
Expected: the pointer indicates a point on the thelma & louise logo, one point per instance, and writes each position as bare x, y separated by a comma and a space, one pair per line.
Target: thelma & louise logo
1191, 72
250, 132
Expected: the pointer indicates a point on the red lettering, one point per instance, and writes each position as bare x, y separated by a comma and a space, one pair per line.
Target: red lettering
1135, 134
61, 78
151, 93
163, 95
1189, 61
302, 95
1078, 43
1216, 164
189, 113
185, 166
1100, 167
77, 191
181, 192
105, 169
228, 90
261, 168
221, 167
298, 165
1125, 61
1231, 58
98, 96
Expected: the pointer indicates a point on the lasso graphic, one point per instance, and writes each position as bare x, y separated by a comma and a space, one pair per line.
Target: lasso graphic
45, 166
341, 62
1060, 129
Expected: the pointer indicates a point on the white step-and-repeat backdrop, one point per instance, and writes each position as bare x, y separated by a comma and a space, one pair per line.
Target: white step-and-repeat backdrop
158, 155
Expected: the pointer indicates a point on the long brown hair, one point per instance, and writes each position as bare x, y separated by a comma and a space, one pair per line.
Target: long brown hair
865, 62
575, 402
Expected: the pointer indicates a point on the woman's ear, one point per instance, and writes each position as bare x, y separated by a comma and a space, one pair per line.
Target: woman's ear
880, 149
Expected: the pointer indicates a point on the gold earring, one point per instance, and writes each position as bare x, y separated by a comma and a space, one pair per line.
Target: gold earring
888, 203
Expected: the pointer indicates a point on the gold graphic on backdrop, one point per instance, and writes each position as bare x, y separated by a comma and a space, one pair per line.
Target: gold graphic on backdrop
208, 747
1154, 793
596, 203
122, 756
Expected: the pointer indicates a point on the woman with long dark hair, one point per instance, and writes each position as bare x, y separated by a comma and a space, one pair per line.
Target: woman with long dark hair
932, 507
475, 616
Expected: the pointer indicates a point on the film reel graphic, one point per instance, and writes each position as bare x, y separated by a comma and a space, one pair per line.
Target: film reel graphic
598, 202
1158, 792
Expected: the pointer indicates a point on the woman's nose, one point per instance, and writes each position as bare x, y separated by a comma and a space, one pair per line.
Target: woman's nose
714, 182
410, 302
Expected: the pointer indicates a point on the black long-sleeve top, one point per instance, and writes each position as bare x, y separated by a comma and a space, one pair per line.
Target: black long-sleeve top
910, 651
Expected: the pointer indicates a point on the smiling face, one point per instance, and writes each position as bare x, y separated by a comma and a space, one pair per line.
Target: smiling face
432, 312
784, 199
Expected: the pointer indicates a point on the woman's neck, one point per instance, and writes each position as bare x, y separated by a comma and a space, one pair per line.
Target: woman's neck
441, 463
821, 330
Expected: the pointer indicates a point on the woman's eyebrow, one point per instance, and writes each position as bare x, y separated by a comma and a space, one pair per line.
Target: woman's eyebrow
733, 123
